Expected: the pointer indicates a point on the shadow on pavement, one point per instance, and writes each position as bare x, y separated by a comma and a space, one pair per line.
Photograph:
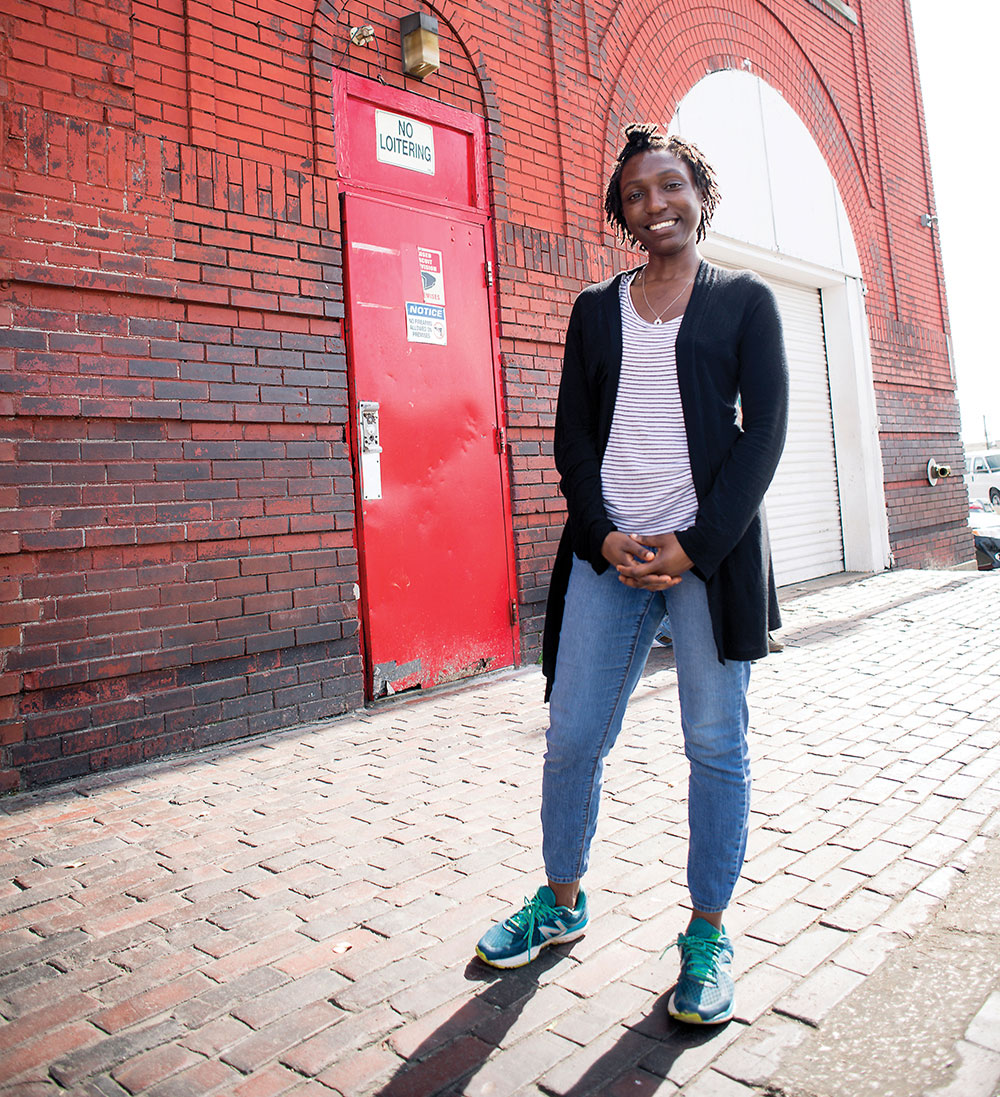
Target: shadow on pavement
448, 1059
459, 1046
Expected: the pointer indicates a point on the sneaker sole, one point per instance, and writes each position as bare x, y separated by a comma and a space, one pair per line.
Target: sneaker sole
522, 959
696, 1018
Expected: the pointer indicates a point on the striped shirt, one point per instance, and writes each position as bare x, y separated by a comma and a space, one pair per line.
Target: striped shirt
646, 472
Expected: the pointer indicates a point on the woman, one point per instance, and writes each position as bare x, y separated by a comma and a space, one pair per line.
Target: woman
664, 484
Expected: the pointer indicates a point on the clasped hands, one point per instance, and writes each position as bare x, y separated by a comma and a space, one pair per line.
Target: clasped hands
647, 562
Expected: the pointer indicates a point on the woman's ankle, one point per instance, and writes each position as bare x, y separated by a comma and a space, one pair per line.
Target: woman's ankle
566, 894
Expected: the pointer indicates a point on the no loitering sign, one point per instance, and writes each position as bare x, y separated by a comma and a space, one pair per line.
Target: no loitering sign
404, 142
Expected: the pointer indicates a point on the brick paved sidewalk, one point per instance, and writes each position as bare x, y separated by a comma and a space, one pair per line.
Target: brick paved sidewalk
297, 915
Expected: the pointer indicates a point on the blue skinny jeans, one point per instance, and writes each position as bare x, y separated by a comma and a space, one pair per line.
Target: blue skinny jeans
607, 631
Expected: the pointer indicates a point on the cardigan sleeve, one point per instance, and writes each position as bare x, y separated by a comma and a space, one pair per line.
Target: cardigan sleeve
738, 488
576, 443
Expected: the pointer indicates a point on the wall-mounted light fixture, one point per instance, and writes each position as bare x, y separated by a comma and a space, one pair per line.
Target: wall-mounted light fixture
419, 32
928, 219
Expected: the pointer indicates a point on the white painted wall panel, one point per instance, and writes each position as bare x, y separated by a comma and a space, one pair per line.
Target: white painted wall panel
777, 191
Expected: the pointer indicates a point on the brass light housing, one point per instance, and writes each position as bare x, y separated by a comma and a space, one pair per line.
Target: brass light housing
421, 56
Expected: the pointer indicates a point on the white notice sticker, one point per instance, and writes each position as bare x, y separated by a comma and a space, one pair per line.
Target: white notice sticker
404, 142
425, 324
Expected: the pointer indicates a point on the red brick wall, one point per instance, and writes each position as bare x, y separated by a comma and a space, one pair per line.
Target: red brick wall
176, 524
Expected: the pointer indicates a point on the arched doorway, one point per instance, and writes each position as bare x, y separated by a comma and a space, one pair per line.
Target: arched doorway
782, 216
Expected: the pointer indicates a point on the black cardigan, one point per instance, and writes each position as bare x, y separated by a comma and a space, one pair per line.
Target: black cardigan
729, 350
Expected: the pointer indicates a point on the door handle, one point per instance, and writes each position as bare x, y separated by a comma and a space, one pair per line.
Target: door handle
368, 418
370, 450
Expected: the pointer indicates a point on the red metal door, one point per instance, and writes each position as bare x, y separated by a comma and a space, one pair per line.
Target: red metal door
432, 531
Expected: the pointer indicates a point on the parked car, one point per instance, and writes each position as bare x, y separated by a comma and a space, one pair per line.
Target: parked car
983, 477
985, 522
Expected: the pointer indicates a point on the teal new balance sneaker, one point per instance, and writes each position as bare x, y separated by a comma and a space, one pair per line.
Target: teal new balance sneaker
517, 940
704, 991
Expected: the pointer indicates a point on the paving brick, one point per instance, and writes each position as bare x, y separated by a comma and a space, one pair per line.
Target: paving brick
602, 932
156, 1000
348, 1036
591, 1069
714, 1084
368, 990
214, 1037
831, 887
353, 1075
255, 955
655, 933
862, 909
812, 1000
440, 988
785, 923
611, 963
639, 1083
977, 1073
414, 1039
759, 989
22, 990
310, 1089
217, 999
868, 949
243, 926
290, 997
984, 1029
753, 1057
765, 865
28, 1025
95, 1057
370, 951
506, 1071
429, 1075
172, 965
775, 892
908, 915
269, 1082
32, 1057
874, 857
413, 914
595, 1016
268, 1042
899, 879
203, 1077
143, 1071
679, 1052
935, 849
537, 1009
101, 1086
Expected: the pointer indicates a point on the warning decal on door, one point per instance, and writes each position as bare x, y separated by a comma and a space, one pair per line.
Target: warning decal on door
426, 324
431, 276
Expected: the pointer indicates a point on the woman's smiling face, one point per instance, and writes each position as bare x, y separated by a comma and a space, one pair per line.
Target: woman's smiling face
660, 201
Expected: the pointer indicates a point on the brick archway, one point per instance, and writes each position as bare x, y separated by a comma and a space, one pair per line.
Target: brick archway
708, 37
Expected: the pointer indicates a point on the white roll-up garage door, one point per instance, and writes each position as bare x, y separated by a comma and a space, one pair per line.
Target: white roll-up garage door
803, 503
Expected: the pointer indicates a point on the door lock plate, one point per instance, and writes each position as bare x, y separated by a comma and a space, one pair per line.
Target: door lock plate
370, 450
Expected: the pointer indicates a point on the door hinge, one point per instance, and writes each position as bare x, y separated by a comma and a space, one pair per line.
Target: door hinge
500, 438
489, 272
514, 615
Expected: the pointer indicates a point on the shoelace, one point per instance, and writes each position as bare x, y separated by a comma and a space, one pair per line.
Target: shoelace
698, 956
534, 910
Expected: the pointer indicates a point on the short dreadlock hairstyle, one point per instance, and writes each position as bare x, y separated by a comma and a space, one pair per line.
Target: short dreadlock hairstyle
642, 137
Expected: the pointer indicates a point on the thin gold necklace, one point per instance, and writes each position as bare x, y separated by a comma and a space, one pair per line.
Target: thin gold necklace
662, 312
